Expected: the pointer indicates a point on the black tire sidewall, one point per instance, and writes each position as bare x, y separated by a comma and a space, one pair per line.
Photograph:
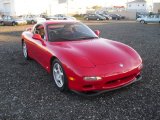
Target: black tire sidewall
13, 23
142, 22
65, 85
32, 22
2, 23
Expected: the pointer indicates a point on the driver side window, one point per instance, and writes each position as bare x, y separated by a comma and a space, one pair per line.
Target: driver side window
39, 29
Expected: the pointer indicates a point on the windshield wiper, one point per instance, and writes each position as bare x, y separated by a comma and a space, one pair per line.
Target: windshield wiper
87, 37
62, 39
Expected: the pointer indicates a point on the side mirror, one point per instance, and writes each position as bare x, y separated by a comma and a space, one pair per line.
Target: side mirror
97, 32
37, 37
28, 29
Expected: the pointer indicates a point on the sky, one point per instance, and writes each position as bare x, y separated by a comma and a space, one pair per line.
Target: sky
110, 2
105, 2
25, 5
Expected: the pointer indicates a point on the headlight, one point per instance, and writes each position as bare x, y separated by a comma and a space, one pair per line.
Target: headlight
140, 66
92, 78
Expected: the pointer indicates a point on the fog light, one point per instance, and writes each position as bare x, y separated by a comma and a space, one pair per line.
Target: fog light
92, 78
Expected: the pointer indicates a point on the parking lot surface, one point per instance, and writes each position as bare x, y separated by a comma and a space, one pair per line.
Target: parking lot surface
27, 91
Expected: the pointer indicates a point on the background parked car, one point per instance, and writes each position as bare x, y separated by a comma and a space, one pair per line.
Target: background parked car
149, 19
10, 20
51, 18
121, 17
94, 17
64, 17
0, 19
59, 17
115, 17
31, 19
106, 16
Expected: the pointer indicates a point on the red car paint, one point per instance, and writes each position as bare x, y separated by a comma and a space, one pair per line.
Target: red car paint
117, 63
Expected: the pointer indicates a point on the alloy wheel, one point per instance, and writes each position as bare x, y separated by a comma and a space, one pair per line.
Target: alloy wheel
58, 75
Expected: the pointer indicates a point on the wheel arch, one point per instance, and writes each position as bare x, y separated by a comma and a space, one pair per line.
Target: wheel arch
22, 40
51, 60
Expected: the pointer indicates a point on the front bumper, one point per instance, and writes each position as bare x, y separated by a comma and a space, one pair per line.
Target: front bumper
94, 93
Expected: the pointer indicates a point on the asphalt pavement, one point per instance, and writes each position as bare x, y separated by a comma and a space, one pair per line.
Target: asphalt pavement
28, 93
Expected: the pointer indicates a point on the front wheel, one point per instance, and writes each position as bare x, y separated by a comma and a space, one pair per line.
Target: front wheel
32, 22
59, 76
2, 23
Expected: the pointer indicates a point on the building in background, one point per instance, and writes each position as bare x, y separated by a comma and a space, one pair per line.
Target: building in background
156, 7
6, 7
137, 6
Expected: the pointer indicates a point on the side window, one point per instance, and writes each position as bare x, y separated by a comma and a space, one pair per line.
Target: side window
9, 18
5, 18
39, 29
157, 16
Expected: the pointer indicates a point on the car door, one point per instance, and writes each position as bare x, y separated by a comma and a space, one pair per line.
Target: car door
157, 18
5, 20
40, 46
89, 17
92, 17
150, 19
10, 20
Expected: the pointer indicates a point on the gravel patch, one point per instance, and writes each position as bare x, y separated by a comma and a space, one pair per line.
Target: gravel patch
27, 91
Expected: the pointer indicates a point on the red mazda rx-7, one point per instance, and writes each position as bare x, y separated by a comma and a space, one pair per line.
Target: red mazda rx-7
78, 59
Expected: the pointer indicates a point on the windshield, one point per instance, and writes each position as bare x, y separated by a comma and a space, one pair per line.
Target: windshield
69, 32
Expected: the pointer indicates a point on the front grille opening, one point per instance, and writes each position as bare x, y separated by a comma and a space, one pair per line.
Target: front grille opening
111, 82
121, 80
87, 86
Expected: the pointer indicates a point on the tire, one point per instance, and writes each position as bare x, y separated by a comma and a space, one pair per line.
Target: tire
142, 22
2, 23
87, 19
98, 19
25, 51
32, 22
59, 76
13, 23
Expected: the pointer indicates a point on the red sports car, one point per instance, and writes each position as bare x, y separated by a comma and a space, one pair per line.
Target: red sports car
78, 59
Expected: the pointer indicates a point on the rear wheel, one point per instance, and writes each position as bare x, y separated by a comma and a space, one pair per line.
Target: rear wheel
59, 76
13, 23
87, 19
142, 22
98, 19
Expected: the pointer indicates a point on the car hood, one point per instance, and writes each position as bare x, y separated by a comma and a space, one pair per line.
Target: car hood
97, 51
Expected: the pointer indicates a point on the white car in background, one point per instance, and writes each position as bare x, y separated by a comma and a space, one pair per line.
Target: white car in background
32, 19
59, 17
149, 19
